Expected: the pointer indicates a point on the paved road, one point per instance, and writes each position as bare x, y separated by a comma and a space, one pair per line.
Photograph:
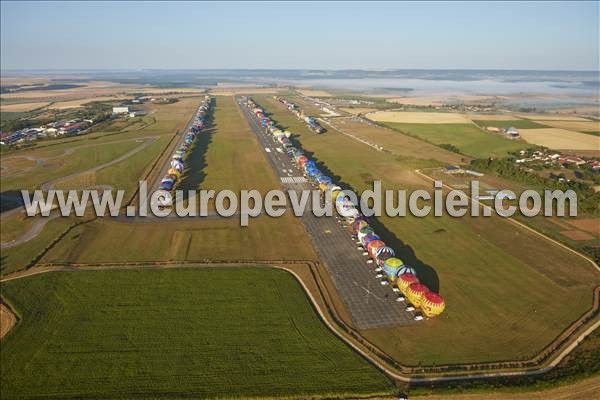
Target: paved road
371, 305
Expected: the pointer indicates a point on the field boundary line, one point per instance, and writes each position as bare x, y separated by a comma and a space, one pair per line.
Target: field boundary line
369, 355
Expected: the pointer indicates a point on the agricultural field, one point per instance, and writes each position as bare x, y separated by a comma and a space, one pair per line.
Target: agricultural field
579, 126
406, 147
465, 259
21, 107
408, 117
314, 93
357, 110
174, 333
517, 123
561, 139
468, 138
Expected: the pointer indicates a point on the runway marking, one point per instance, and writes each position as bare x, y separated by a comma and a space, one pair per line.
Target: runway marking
293, 179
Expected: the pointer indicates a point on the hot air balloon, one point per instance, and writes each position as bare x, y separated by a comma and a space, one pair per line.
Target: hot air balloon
302, 160
415, 293
382, 254
373, 246
407, 269
364, 232
369, 238
405, 280
359, 223
391, 266
432, 304
173, 171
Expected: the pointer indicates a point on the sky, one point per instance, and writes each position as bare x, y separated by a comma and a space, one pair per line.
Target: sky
300, 35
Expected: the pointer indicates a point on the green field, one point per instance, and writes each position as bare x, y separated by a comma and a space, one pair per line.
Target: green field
216, 167
179, 333
517, 123
469, 139
498, 279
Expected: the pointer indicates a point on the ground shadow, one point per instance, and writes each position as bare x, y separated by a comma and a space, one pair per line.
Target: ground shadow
194, 173
405, 252
10, 200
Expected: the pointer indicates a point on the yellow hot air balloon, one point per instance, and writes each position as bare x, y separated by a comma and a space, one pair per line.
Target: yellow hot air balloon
415, 293
405, 280
173, 171
432, 304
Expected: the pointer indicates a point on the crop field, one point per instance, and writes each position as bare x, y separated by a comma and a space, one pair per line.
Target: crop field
517, 123
468, 138
357, 110
482, 266
22, 107
407, 147
552, 117
174, 333
579, 126
315, 93
409, 117
561, 139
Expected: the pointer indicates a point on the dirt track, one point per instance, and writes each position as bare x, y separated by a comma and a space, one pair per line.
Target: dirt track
585, 389
7, 320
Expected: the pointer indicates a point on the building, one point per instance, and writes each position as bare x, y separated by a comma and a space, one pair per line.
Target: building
120, 110
453, 169
512, 132
136, 113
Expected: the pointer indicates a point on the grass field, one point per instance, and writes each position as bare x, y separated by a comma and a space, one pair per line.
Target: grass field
414, 152
215, 332
482, 266
561, 139
217, 167
57, 164
468, 138
409, 117
517, 123
234, 159
185, 240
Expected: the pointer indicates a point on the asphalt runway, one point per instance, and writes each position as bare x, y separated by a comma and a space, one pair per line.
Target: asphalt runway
371, 305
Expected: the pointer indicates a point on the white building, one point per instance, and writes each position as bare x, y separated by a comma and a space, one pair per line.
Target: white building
121, 110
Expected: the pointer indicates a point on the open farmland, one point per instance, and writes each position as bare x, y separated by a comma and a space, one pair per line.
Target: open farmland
579, 126
174, 333
516, 123
404, 146
482, 266
468, 138
357, 110
408, 117
561, 139
21, 107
